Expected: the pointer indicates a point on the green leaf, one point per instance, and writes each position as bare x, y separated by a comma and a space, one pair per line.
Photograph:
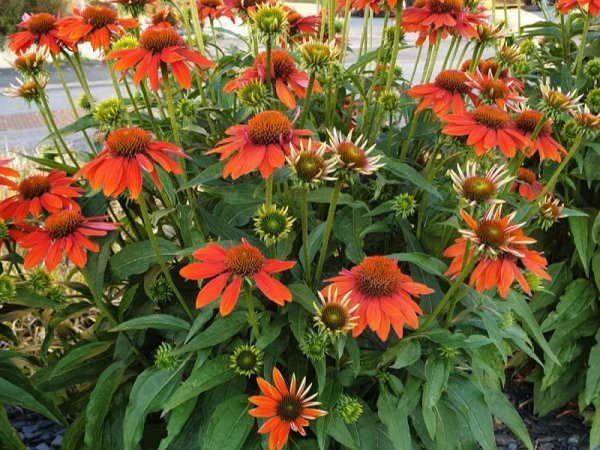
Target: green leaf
203, 378
78, 355
595, 431
394, 417
426, 262
328, 399
45, 162
409, 174
580, 228
149, 392
155, 321
592, 382
521, 308
219, 331
324, 194
229, 425
137, 257
9, 439
96, 262
470, 402
348, 228
304, 295
100, 401
177, 420
596, 267
436, 380
30, 299
83, 123
406, 352
505, 411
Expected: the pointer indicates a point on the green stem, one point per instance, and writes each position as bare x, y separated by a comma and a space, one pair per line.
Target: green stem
306, 105
328, 225
344, 42
50, 130
305, 245
411, 132
132, 99
252, 318
197, 28
453, 42
159, 256
438, 39
414, 72
155, 126
269, 190
579, 60
115, 82
268, 63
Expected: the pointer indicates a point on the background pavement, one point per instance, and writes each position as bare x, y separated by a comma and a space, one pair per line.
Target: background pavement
22, 129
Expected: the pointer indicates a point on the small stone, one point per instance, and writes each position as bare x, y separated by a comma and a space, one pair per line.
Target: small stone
573, 440
57, 440
42, 447
513, 446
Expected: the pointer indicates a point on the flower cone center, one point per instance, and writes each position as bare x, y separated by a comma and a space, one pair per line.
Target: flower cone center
528, 121
289, 408
269, 127
334, 316
452, 81
526, 175
351, 155
34, 186
244, 260
377, 276
491, 232
283, 64
99, 16
309, 166
40, 23
62, 224
491, 117
127, 142
478, 189
445, 6
156, 40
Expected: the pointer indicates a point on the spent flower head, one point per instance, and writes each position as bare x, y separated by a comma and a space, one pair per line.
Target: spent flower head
30, 65
309, 166
353, 155
28, 90
246, 360
349, 408
550, 210
272, 223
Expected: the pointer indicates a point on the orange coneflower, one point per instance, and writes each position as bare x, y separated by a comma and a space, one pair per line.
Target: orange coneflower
476, 189
485, 89
38, 29
163, 18
64, 232
527, 184
487, 127
159, 47
383, 295
500, 245
544, 144
126, 151
243, 8
430, 17
299, 25
6, 172
261, 144
286, 409
52, 192
445, 94
94, 24
241, 262
213, 9
284, 73
592, 6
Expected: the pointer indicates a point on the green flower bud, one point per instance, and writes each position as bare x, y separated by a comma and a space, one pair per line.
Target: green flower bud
390, 101
593, 100
448, 352
55, 294
506, 320
314, 346
39, 280
84, 102
349, 409
160, 291
246, 360
7, 288
272, 224
527, 47
270, 20
109, 113
592, 69
164, 358
405, 205
253, 95
3, 229
569, 130
186, 108
125, 42
534, 282
317, 55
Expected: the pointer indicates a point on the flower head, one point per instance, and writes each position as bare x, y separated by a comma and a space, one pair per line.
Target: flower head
591, 6
550, 210
272, 223
28, 90
587, 124
286, 77
159, 47
445, 94
499, 245
30, 65
353, 156
299, 26
527, 184
317, 55
260, 144
68, 232
286, 409
253, 95
94, 24
486, 128
383, 295
134, 7
309, 165
39, 29
246, 360
37, 193
554, 103
544, 144
213, 9
349, 408
477, 189
128, 151
269, 20
109, 113
164, 18
239, 262
485, 89
335, 314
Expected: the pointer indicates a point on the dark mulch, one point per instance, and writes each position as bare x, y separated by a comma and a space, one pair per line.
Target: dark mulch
37, 432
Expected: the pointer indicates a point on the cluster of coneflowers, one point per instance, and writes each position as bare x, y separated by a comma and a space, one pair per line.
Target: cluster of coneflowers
480, 105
